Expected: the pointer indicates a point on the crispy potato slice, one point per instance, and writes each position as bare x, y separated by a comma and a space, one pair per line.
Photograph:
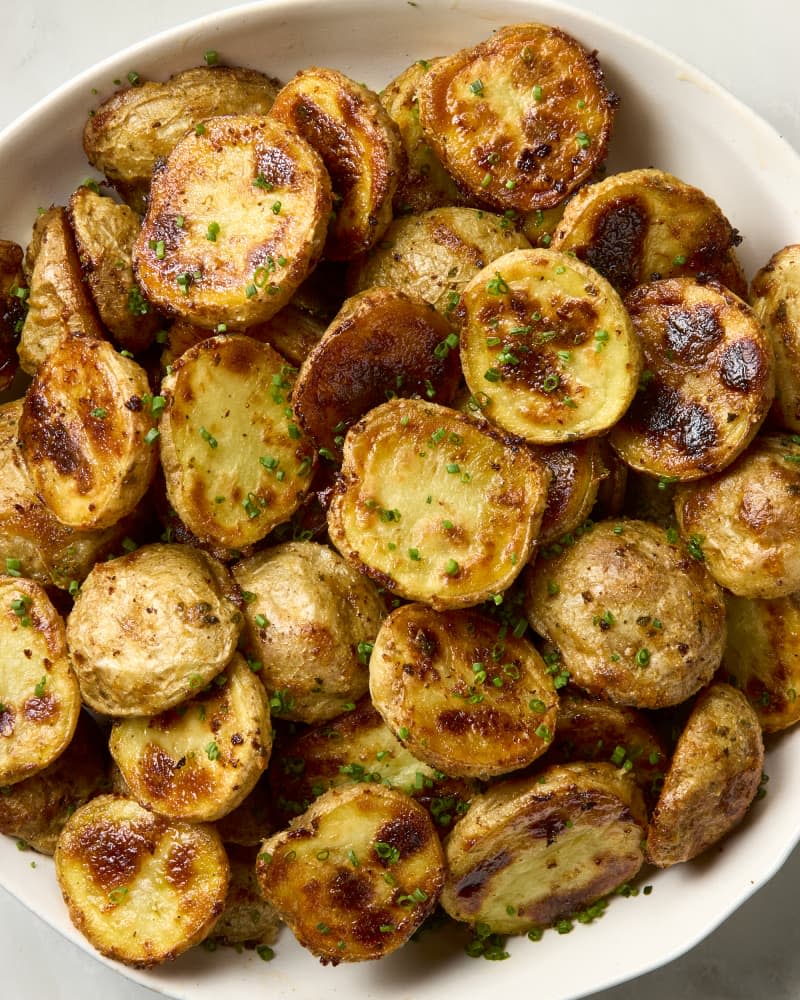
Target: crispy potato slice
522, 119
35, 810
636, 621
360, 146
533, 849
434, 506
13, 307
714, 776
307, 615
247, 918
641, 225
59, 303
86, 437
577, 470
383, 343
354, 748
198, 761
235, 221
435, 254
151, 628
293, 332
745, 522
137, 127
356, 874
140, 888
104, 233
707, 383
459, 693
234, 460
39, 696
775, 298
547, 340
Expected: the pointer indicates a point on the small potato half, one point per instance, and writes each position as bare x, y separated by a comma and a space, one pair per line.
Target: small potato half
577, 470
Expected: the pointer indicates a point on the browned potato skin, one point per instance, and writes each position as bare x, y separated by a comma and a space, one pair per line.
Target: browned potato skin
612, 487
714, 776
747, 519
12, 309
639, 578
578, 471
137, 126
383, 343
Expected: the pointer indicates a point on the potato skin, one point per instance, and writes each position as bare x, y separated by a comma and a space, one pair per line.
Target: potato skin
13, 296
578, 470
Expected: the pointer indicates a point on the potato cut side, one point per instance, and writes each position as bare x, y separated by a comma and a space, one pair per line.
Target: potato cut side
309, 618
141, 889
136, 127
39, 695
461, 694
356, 874
360, 146
532, 850
577, 470
744, 523
358, 747
434, 506
639, 225
86, 434
236, 219
247, 918
59, 303
13, 308
435, 254
152, 628
762, 657
383, 343
234, 459
707, 383
636, 620
522, 119
714, 776
548, 343
775, 298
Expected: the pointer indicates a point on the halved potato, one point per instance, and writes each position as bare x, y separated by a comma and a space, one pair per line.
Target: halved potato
356, 874
137, 127
140, 888
460, 693
642, 225
235, 461
235, 221
435, 507
547, 340
522, 119
383, 343
714, 776
533, 849
86, 435
707, 383
360, 146
151, 628
577, 470
13, 308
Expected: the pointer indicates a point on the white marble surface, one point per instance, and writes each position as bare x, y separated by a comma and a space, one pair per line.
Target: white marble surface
749, 47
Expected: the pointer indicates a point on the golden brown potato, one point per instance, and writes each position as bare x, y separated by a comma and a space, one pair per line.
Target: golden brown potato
59, 303
713, 778
435, 254
293, 332
356, 874
613, 486
707, 383
307, 618
40, 225
138, 126
360, 146
522, 119
383, 343
13, 307
533, 849
247, 918
104, 234
141, 889
460, 693
636, 620
85, 434
745, 521
235, 221
151, 628
435, 507
548, 342
642, 225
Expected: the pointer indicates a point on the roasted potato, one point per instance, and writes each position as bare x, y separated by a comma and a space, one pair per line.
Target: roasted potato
252, 820
576, 473
13, 308
151, 628
247, 918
